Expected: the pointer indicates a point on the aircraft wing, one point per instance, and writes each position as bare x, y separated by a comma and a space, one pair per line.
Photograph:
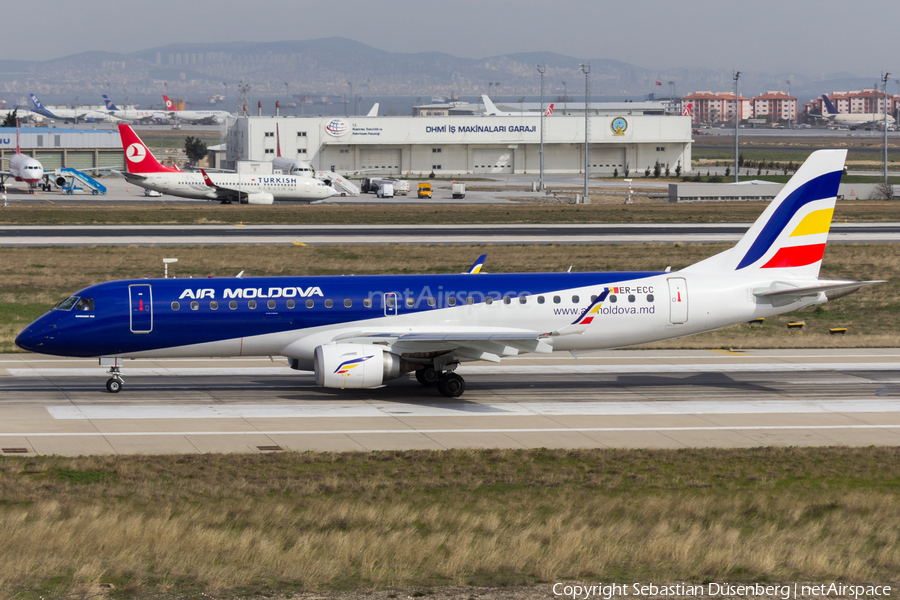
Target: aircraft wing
489, 345
221, 192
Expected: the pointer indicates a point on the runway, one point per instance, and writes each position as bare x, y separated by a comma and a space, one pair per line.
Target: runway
646, 399
67, 235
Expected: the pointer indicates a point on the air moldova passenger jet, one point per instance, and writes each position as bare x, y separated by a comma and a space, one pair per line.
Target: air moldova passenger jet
358, 332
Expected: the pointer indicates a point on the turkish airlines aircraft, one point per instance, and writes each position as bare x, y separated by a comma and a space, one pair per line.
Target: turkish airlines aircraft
492, 111
24, 168
358, 332
196, 116
144, 170
144, 116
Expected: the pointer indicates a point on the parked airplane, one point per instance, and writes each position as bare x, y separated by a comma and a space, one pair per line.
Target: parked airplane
492, 111
831, 113
144, 116
196, 116
24, 168
70, 114
358, 332
144, 170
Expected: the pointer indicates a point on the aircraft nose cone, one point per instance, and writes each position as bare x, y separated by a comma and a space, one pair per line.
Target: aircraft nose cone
30, 339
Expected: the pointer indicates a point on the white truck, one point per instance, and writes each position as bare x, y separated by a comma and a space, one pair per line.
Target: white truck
385, 190
401, 187
458, 190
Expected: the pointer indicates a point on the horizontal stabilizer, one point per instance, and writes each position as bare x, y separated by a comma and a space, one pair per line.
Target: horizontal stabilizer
778, 294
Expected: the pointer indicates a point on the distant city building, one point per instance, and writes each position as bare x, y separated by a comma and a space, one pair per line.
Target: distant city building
714, 107
775, 104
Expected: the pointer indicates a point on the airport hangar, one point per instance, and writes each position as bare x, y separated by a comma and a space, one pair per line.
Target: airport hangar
58, 148
466, 145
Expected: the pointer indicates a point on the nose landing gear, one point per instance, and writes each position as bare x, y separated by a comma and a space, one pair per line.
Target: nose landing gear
115, 382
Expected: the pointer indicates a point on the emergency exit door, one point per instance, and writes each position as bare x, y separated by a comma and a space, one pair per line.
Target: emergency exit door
678, 300
140, 297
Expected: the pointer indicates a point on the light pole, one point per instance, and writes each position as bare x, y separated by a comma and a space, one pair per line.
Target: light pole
542, 68
790, 105
346, 108
672, 95
885, 79
287, 94
565, 97
490, 84
522, 103
586, 69
736, 76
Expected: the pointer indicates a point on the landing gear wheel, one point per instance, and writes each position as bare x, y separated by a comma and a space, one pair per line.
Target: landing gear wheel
451, 385
427, 376
113, 386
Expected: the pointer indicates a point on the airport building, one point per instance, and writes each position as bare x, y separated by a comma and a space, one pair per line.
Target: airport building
59, 147
466, 145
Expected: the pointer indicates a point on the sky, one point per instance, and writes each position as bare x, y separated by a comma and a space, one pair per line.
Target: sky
812, 37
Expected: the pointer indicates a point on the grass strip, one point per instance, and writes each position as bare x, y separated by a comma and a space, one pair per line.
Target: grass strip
360, 521
611, 210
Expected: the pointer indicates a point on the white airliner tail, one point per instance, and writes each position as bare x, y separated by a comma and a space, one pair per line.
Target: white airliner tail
489, 108
374, 111
788, 240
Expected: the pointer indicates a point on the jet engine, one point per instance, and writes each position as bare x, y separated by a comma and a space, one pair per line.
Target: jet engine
258, 198
350, 366
60, 181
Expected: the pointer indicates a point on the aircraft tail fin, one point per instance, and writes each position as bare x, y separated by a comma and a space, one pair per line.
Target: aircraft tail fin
489, 108
477, 265
138, 158
374, 111
686, 111
277, 141
109, 103
789, 238
169, 104
549, 110
828, 108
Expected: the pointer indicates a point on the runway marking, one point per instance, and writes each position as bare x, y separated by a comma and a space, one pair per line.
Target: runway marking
479, 370
420, 431
528, 409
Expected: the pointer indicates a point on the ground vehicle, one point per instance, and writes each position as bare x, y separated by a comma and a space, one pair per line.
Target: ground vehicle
151, 193
424, 190
401, 187
385, 190
459, 190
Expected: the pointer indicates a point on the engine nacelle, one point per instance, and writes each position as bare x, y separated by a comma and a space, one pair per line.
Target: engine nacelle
258, 198
351, 366
60, 181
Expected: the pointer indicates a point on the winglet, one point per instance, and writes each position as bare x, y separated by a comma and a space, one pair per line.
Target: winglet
476, 266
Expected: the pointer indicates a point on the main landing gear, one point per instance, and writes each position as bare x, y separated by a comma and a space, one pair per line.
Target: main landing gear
115, 382
449, 384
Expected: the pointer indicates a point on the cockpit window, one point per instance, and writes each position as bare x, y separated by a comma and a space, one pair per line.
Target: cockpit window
67, 304
85, 304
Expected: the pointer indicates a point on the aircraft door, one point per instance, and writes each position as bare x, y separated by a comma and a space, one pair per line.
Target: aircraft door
678, 300
389, 302
140, 298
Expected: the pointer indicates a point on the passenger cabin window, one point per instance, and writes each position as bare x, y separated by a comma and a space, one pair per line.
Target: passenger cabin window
195, 305
575, 299
233, 305
613, 298
290, 304
329, 303
488, 300
470, 300
85, 304
367, 302
540, 299
523, 299
176, 306
251, 304
348, 302
271, 304
556, 300
214, 305
309, 303
451, 301
631, 297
